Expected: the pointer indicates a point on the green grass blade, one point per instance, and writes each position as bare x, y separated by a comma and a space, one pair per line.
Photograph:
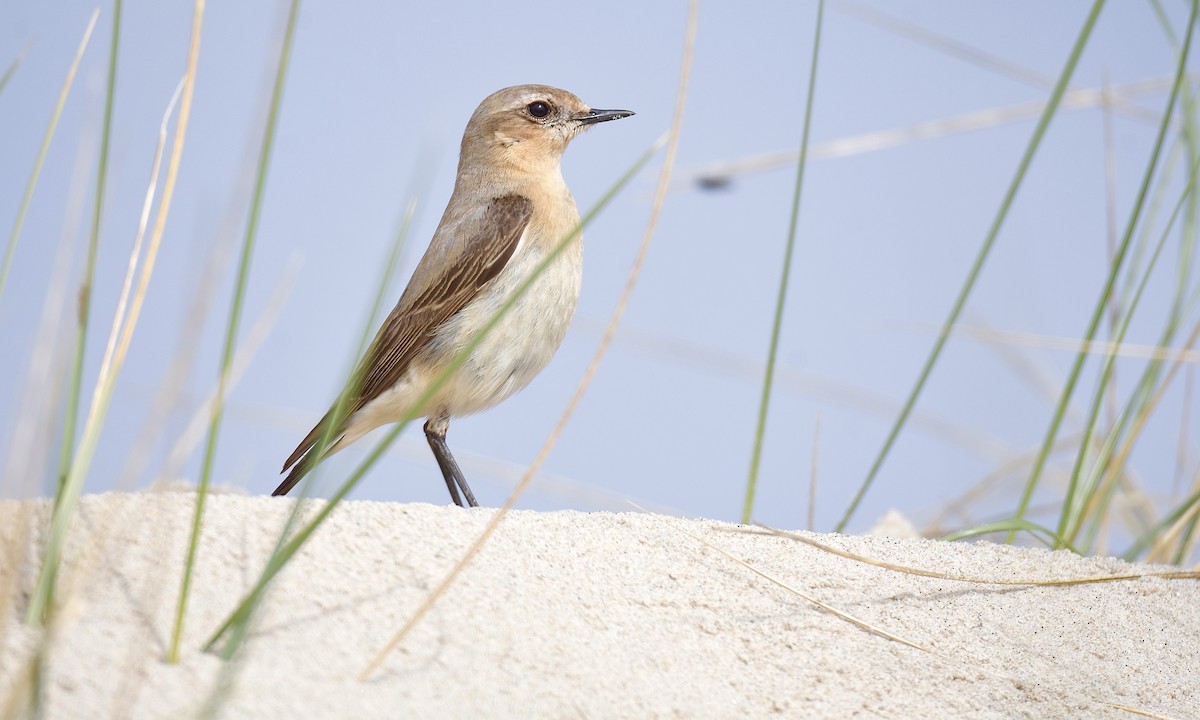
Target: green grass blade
235, 314
12, 66
1139, 546
1072, 518
1102, 303
224, 684
1144, 388
234, 628
1188, 535
1134, 266
1096, 494
351, 388
85, 290
1045, 534
122, 333
777, 324
389, 272
1035, 141
49, 571
31, 184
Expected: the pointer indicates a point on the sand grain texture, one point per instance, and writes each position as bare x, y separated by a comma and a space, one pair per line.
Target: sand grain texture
589, 615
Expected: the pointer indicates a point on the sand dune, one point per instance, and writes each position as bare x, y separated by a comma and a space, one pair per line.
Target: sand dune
584, 615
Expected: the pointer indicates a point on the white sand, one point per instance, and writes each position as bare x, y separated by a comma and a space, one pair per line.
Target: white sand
574, 615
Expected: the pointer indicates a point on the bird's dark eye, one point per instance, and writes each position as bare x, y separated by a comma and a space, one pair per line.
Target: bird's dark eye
538, 109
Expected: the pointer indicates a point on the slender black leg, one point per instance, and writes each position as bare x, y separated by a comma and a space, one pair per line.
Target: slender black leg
435, 433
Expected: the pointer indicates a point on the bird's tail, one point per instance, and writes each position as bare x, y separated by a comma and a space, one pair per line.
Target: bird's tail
305, 457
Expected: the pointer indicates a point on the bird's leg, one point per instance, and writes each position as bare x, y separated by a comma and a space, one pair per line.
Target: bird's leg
435, 432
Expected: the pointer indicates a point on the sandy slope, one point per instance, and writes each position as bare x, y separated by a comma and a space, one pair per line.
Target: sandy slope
587, 615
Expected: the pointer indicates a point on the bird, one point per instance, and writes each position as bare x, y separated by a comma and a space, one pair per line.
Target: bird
509, 209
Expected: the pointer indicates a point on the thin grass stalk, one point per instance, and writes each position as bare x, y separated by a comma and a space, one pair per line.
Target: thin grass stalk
357, 376
12, 66
1074, 509
1035, 141
1187, 534
349, 390
1134, 265
184, 354
1187, 247
1187, 252
1110, 234
36, 173
1176, 541
43, 384
1106, 474
1071, 500
85, 289
235, 314
1154, 398
1188, 505
354, 383
1042, 533
224, 683
777, 323
196, 428
389, 270
101, 393
1189, 105
118, 347
1100, 501
1000, 66
610, 332
352, 386
1182, 447
235, 625
812, 475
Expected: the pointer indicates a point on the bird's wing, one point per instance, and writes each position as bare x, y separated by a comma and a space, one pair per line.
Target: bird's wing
485, 245
476, 250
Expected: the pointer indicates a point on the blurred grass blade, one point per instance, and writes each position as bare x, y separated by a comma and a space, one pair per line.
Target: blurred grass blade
777, 324
960, 302
1045, 534
354, 383
15, 235
1153, 395
118, 345
85, 290
1096, 494
235, 314
660, 195
1188, 511
16, 63
418, 186
234, 627
1101, 304
224, 684
389, 271
1075, 506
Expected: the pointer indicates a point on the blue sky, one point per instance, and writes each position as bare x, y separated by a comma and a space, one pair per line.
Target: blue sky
375, 103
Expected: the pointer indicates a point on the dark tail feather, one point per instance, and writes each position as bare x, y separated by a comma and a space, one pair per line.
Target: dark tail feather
303, 458
296, 475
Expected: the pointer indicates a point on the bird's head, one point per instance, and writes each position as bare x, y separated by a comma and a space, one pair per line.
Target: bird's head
529, 126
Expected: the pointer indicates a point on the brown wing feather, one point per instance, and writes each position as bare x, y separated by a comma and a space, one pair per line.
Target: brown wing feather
486, 246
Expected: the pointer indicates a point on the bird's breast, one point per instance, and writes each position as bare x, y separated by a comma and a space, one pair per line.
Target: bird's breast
525, 338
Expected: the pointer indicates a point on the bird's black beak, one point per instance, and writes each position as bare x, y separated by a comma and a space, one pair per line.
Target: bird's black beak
591, 117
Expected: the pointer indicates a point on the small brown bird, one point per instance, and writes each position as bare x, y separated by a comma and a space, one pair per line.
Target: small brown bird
509, 209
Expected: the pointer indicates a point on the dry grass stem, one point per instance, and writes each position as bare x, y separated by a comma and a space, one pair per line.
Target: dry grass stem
721, 173
1170, 575
498, 516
